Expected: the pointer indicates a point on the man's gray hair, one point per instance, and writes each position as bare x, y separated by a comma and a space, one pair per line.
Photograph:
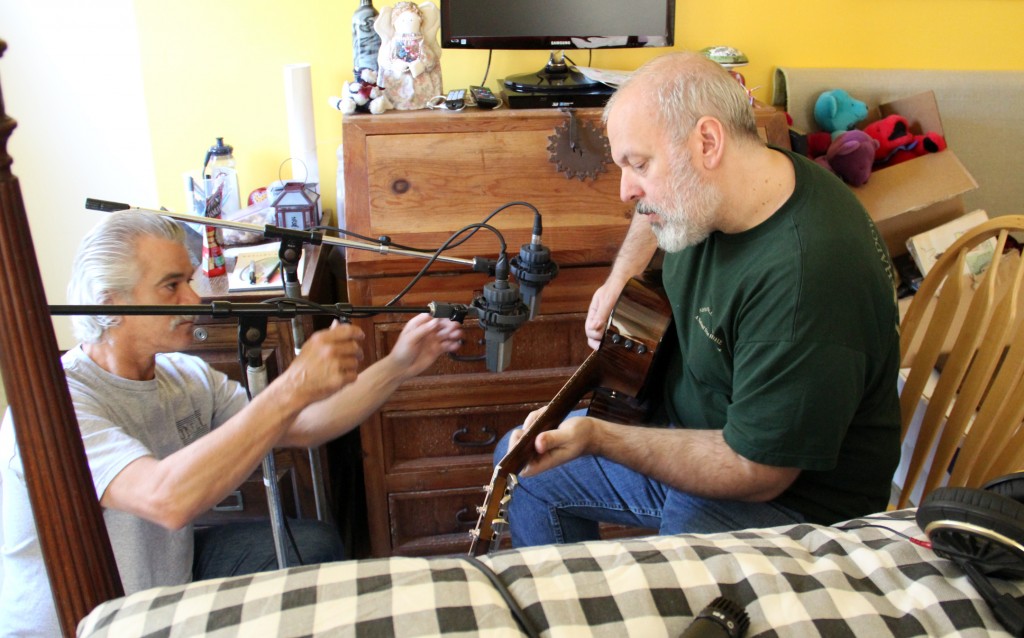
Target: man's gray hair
684, 87
105, 265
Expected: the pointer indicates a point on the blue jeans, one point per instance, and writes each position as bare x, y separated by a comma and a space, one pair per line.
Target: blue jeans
246, 548
565, 504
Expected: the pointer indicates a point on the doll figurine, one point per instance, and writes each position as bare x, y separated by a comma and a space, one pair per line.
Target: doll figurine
410, 57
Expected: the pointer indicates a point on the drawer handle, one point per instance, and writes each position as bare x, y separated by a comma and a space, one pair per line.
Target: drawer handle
469, 358
457, 357
466, 516
233, 502
457, 438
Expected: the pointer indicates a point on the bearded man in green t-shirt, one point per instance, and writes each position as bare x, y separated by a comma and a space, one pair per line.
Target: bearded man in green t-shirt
779, 404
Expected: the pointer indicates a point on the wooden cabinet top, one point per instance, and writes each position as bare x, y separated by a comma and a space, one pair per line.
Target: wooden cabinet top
419, 177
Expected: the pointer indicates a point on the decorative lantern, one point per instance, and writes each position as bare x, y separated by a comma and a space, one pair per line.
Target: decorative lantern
295, 206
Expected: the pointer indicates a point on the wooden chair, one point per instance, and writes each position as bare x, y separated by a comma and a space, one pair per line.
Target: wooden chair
966, 333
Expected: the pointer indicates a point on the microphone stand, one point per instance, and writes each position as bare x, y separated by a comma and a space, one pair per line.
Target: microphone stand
252, 330
290, 253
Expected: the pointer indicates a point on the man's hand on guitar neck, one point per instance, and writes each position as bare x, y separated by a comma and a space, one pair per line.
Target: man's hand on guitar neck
573, 438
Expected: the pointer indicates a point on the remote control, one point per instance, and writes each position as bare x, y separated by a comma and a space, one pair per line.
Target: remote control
484, 98
456, 99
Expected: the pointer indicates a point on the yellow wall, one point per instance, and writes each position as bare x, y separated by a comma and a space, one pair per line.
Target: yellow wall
216, 68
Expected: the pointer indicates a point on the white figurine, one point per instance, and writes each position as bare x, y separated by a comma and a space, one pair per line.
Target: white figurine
410, 56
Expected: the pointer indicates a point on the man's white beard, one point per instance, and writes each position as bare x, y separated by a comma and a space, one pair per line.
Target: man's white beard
689, 216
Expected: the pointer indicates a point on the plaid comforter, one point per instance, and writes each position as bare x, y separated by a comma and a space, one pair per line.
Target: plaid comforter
800, 580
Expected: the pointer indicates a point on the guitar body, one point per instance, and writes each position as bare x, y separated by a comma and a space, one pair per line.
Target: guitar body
618, 369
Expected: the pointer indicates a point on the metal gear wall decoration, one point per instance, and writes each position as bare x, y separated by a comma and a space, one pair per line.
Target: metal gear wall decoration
579, 148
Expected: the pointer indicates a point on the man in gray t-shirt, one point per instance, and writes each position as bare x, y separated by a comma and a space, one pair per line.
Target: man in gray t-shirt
166, 436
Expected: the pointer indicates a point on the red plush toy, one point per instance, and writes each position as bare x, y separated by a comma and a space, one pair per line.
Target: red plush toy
818, 143
896, 142
930, 142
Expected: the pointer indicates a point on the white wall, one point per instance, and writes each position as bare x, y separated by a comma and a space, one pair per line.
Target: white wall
72, 80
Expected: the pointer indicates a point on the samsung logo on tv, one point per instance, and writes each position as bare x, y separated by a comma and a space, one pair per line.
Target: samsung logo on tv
561, 43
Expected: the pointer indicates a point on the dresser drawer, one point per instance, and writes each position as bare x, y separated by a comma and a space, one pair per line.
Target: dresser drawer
434, 522
436, 440
440, 521
465, 168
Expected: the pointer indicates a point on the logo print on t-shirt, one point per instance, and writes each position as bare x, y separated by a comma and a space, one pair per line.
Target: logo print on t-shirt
190, 428
703, 318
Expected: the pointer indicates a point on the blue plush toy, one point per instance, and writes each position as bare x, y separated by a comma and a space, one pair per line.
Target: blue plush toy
836, 112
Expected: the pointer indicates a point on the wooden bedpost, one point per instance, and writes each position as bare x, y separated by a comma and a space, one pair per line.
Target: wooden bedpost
72, 535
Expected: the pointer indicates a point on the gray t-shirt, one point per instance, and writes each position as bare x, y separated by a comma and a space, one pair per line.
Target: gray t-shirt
120, 420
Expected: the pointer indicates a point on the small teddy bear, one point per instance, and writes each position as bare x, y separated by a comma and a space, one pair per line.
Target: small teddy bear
836, 112
851, 157
363, 95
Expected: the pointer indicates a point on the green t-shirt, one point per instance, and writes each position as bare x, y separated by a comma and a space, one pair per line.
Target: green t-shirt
789, 343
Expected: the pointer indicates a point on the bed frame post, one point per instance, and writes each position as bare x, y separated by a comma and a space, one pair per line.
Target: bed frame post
72, 535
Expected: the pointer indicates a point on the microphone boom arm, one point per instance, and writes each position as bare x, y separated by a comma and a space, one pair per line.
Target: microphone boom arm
282, 309
271, 231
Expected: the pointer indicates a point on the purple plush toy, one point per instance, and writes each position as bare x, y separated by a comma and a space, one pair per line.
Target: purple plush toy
850, 156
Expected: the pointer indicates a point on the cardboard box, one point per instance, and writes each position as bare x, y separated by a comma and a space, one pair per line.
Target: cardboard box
920, 194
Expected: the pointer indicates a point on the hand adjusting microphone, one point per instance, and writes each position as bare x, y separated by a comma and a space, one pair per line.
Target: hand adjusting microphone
533, 268
722, 618
500, 312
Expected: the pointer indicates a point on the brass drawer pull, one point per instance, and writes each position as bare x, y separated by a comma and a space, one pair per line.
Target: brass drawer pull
457, 437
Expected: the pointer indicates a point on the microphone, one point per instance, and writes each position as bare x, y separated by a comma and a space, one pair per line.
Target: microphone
722, 618
533, 268
500, 312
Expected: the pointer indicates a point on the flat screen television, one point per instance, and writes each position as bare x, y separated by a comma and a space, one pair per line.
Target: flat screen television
555, 25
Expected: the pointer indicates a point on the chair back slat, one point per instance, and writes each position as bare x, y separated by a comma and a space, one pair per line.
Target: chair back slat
999, 366
973, 336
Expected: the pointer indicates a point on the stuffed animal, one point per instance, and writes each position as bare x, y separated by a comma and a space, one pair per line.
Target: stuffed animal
818, 143
836, 111
851, 157
897, 143
363, 95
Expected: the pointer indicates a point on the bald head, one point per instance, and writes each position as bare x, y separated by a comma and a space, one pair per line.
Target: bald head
677, 89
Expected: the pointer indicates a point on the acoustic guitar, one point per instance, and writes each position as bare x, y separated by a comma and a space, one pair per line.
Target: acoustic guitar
617, 370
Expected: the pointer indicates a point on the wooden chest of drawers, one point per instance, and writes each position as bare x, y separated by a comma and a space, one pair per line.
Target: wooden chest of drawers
417, 177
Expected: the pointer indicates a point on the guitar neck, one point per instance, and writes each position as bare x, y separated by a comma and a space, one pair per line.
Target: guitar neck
620, 365
562, 404
491, 523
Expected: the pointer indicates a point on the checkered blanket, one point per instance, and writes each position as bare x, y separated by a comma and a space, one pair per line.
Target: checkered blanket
800, 580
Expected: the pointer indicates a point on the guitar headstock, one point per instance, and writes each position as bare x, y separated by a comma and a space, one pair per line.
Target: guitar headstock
493, 520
